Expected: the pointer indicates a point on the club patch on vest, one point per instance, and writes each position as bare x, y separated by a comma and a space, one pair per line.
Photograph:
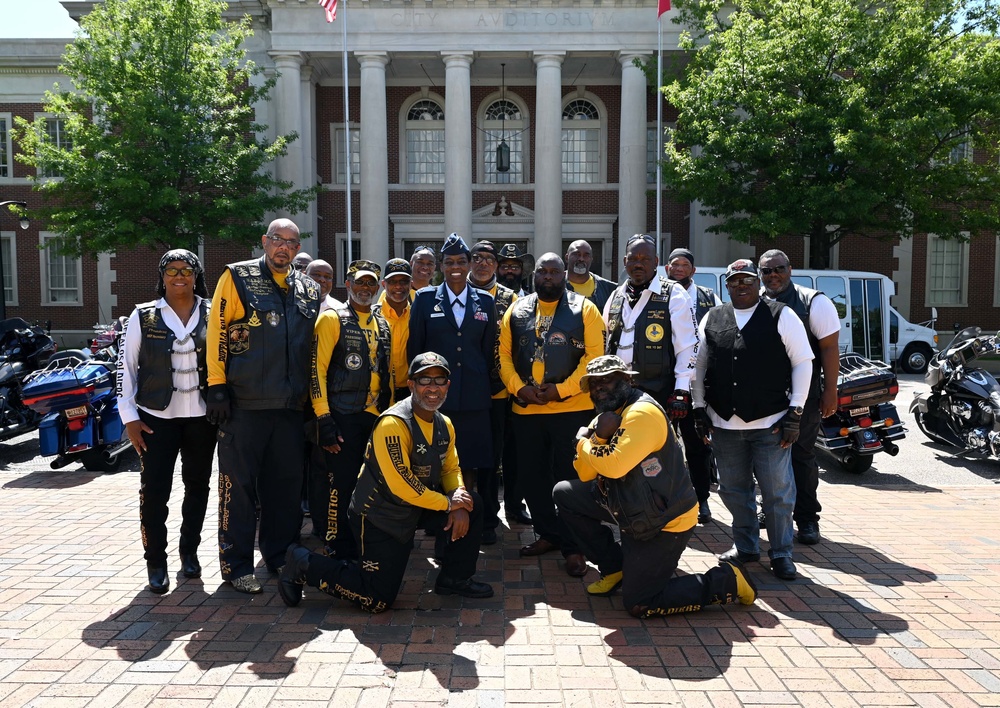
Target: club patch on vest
149, 317
557, 338
254, 320
651, 467
242, 271
654, 333
273, 319
239, 338
353, 362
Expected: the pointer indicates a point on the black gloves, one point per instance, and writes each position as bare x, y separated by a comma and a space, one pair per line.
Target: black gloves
218, 404
702, 423
678, 405
789, 428
329, 434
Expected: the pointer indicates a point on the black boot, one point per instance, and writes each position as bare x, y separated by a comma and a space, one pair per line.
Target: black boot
159, 583
293, 575
190, 566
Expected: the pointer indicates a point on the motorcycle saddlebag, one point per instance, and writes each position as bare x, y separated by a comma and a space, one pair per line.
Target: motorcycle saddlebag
65, 387
48, 434
112, 428
875, 387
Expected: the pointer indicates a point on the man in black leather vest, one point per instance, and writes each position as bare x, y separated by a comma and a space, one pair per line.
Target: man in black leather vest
631, 474
351, 386
822, 323
753, 353
680, 268
546, 340
410, 479
259, 340
579, 279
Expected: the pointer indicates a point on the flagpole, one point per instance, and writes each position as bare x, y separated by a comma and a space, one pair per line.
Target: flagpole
659, 135
347, 135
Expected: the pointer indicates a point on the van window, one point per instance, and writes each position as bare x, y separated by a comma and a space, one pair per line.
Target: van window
706, 280
893, 327
805, 281
833, 287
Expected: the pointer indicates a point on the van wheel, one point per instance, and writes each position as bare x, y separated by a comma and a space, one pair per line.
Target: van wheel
915, 359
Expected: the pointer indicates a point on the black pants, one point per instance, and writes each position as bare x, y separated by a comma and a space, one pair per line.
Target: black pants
260, 457
488, 478
342, 476
513, 499
194, 440
546, 445
699, 458
649, 586
805, 467
373, 582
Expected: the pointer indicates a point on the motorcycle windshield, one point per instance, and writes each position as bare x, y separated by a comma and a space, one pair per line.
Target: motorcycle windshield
960, 337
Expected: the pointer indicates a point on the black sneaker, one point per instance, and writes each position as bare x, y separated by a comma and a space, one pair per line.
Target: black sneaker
465, 588
808, 533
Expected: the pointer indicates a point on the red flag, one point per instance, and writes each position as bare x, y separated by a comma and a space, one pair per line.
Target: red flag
664, 5
331, 8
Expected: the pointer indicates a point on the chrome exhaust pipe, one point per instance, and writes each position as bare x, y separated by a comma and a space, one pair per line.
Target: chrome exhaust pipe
890, 447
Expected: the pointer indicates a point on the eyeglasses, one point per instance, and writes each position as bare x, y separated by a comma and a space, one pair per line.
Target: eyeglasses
745, 280
186, 272
478, 258
777, 269
428, 380
291, 243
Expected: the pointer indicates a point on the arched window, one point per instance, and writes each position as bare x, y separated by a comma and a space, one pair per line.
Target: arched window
425, 143
581, 142
504, 120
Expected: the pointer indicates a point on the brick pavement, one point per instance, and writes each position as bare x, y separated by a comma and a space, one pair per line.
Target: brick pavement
898, 606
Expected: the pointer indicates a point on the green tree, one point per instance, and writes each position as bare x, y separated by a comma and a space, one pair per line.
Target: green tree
157, 144
826, 118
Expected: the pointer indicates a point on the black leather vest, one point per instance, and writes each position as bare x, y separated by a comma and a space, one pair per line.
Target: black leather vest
653, 353
269, 349
749, 371
602, 290
800, 300
154, 379
704, 301
373, 498
349, 376
563, 345
654, 492
503, 298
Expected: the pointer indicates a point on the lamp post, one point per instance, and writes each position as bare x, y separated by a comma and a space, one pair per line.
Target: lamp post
3, 288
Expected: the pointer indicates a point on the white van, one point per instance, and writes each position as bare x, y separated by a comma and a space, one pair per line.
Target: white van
862, 300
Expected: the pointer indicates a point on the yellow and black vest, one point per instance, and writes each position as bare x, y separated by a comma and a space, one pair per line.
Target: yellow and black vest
155, 376
562, 346
348, 379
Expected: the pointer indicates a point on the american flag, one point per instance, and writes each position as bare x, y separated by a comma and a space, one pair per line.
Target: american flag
331, 9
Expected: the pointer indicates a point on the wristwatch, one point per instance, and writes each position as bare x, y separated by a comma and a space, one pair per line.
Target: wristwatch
798, 410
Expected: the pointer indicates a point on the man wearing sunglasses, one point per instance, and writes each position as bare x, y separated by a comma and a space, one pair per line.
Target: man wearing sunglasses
259, 344
410, 479
822, 323
753, 351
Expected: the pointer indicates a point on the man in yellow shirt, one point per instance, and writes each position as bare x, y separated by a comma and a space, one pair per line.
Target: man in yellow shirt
546, 340
350, 388
410, 479
631, 473
259, 341
579, 279
394, 305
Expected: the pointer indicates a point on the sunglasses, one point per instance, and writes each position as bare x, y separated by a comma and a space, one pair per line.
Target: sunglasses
291, 243
777, 269
483, 259
428, 380
745, 280
186, 272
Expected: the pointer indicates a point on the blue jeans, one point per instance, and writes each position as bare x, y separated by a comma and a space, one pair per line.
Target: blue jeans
741, 455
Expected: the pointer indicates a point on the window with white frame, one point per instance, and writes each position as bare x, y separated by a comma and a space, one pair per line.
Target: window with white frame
55, 129
947, 272
655, 151
425, 142
581, 142
62, 276
8, 251
6, 147
340, 155
503, 120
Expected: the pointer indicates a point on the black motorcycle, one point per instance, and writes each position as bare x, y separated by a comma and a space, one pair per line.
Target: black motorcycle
866, 421
24, 348
962, 409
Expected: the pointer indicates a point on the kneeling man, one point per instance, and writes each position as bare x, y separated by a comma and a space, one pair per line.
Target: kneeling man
631, 473
410, 479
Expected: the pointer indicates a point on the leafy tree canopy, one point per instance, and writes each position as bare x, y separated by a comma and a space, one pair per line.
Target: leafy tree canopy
157, 143
833, 117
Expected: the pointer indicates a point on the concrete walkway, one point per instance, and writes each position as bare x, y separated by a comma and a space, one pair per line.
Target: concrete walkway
899, 605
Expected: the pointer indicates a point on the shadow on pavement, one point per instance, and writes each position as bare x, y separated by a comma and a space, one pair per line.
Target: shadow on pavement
52, 479
14, 453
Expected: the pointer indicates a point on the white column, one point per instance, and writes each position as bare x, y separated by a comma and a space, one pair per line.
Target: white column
458, 145
288, 102
632, 151
374, 158
548, 153
307, 135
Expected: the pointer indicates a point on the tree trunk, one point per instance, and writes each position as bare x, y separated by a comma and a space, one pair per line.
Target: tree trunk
819, 247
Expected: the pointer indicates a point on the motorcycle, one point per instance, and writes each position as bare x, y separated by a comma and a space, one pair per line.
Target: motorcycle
962, 408
77, 397
23, 349
866, 421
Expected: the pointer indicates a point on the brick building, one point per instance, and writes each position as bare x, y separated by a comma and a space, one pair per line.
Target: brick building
433, 90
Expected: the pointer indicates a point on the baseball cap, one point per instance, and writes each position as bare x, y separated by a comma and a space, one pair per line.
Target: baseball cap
360, 268
602, 366
397, 266
427, 360
741, 267
485, 247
